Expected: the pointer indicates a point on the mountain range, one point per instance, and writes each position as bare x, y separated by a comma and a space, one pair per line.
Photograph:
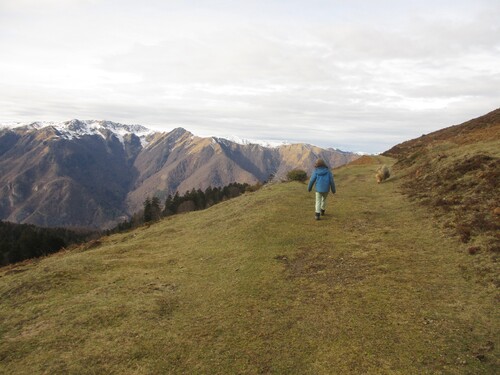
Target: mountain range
96, 173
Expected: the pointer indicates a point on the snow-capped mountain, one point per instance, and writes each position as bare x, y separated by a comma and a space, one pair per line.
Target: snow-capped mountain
79, 128
94, 173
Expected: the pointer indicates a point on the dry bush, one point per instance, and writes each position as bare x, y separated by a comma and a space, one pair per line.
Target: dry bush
383, 173
297, 175
253, 188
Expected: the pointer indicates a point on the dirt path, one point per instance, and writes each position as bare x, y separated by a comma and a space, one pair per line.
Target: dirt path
391, 288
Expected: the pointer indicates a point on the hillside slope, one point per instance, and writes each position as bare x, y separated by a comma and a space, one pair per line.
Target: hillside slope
456, 173
256, 285
476, 130
48, 180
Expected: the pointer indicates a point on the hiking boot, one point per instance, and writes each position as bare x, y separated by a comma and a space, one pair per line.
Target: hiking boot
317, 215
322, 212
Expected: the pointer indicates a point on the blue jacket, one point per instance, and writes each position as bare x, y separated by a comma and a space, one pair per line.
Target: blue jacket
323, 178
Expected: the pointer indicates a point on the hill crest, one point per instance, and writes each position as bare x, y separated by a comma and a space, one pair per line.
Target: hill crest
480, 129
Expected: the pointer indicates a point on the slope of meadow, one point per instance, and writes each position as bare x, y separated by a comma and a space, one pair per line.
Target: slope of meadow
256, 285
455, 172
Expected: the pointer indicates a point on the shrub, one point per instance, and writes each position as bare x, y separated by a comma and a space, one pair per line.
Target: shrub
297, 175
253, 188
383, 174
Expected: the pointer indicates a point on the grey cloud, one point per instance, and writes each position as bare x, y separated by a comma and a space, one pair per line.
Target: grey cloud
333, 75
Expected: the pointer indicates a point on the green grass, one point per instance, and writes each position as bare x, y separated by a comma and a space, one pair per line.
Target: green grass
256, 285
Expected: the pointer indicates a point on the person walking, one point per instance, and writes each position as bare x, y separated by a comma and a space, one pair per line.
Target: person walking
323, 178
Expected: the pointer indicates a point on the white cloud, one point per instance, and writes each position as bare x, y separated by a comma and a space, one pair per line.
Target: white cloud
334, 73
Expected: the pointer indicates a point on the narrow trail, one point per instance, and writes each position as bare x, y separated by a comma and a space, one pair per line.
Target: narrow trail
391, 284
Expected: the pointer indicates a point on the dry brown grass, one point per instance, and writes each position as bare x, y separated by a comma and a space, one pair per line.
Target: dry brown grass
455, 172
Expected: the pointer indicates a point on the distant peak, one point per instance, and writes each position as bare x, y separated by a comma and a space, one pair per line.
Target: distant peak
76, 125
75, 121
246, 141
114, 126
105, 124
179, 132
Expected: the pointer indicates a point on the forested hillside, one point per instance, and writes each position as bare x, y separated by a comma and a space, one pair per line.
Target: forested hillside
23, 241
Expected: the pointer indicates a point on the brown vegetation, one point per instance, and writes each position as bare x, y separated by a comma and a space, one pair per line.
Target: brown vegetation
382, 174
483, 128
456, 173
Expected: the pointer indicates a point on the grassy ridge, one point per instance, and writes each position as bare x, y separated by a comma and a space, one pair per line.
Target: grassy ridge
455, 173
255, 285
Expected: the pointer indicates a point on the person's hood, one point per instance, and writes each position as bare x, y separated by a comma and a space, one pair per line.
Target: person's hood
321, 171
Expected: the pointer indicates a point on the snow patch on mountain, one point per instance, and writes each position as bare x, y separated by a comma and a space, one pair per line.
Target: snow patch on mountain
79, 128
10, 125
247, 141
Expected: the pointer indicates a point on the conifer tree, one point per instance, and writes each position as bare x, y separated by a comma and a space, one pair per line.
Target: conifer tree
168, 209
209, 199
155, 209
148, 213
200, 200
176, 201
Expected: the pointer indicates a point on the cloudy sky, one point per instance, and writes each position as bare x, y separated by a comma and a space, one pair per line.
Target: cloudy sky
360, 75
